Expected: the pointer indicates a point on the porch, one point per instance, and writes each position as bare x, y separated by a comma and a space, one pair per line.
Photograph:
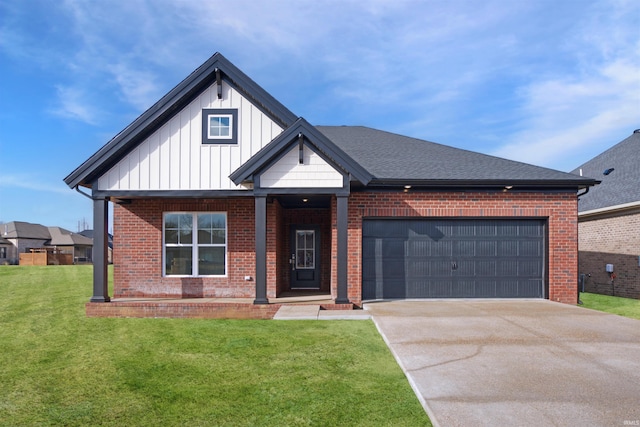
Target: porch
216, 308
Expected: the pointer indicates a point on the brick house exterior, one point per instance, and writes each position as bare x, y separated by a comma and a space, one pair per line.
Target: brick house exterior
609, 221
222, 192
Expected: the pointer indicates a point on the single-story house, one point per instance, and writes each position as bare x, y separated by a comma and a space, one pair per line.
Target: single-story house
5, 250
221, 191
76, 245
61, 245
609, 221
23, 237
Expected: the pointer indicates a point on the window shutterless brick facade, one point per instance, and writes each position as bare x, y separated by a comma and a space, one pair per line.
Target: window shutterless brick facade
138, 239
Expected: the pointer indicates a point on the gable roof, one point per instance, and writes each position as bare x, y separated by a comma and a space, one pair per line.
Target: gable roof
54, 236
172, 103
288, 138
24, 230
63, 237
622, 185
391, 158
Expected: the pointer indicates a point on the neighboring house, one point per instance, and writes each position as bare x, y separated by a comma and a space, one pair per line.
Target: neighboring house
89, 234
27, 238
23, 236
609, 221
5, 250
74, 244
221, 191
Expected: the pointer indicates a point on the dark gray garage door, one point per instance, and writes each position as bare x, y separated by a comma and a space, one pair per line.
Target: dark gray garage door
461, 258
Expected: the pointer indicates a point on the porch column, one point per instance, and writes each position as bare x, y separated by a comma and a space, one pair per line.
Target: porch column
100, 250
342, 208
261, 250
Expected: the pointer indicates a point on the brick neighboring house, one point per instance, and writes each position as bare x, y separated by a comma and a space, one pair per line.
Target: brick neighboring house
25, 237
609, 221
221, 191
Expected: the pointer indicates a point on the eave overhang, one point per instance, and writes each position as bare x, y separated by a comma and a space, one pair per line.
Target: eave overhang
623, 209
509, 184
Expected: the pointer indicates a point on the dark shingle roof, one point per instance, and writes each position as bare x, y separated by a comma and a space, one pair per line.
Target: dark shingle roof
393, 157
24, 230
63, 237
620, 186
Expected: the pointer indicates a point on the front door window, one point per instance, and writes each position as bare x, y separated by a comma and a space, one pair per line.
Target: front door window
305, 249
305, 256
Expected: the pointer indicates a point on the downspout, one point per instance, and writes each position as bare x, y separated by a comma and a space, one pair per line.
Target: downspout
586, 190
77, 187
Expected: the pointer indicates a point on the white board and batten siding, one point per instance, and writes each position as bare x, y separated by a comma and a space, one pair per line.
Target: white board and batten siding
287, 172
174, 157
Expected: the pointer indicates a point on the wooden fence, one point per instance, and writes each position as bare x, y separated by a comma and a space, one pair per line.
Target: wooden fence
45, 256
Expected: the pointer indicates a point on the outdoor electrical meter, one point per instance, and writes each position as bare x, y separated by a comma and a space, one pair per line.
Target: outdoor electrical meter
609, 268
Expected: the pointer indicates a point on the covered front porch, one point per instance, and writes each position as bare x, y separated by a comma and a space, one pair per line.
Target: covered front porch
218, 308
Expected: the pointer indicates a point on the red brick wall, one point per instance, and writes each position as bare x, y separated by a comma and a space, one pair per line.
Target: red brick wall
559, 208
138, 239
611, 240
138, 250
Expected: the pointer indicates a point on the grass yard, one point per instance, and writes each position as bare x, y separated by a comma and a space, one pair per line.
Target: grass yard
621, 306
59, 367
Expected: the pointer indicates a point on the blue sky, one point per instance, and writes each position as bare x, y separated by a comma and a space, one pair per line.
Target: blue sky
547, 82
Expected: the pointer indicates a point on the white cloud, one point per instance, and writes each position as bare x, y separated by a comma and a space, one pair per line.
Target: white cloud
73, 103
33, 182
138, 87
568, 115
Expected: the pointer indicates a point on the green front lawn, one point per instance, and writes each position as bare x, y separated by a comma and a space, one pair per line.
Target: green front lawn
621, 306
59, 367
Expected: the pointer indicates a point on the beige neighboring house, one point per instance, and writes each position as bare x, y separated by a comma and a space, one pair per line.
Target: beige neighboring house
5, 249
74, 244
609, 221
25, 239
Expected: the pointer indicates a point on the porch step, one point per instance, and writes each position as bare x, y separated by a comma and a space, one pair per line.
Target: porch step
313, 312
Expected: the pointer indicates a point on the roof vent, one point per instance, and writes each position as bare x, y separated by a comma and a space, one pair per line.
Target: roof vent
636, 131
608, 171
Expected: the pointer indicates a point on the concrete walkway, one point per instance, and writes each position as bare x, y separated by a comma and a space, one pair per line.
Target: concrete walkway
516, 362
313, 312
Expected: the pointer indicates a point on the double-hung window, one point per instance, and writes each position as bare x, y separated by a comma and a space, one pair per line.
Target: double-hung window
195, 243
219, 126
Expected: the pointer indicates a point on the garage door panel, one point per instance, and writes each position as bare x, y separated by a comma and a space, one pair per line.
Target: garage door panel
508, 288
508, 267
396, 289
453, 258
529, 269
438, 289
485, 288
465, 248
464, 288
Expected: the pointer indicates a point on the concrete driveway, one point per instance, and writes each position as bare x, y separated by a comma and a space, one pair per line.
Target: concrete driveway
515, 362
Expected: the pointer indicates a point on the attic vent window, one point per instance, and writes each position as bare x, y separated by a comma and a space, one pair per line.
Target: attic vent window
219, 126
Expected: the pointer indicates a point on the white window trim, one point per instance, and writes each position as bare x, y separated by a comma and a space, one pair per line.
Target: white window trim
223, 137
194, 245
